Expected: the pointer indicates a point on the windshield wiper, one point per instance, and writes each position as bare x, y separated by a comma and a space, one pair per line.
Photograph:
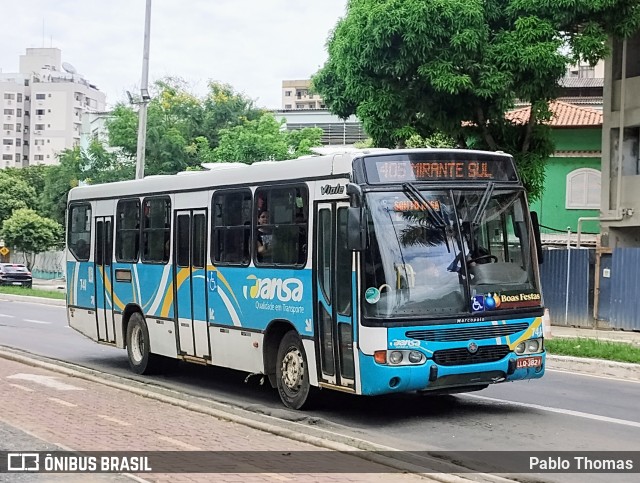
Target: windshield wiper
416, 196
482, 206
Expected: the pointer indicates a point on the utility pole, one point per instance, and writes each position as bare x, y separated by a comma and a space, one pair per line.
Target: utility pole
144, 92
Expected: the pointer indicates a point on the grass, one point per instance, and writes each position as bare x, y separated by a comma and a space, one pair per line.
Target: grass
33, 292
593, 348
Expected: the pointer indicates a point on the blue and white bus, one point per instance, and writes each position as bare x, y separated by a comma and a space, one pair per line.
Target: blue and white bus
371, 272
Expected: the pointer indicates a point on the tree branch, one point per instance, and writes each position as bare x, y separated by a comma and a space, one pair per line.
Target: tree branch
485, 129
526, 142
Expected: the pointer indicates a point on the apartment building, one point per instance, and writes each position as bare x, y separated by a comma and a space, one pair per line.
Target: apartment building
42, 108
296, 95
620, 214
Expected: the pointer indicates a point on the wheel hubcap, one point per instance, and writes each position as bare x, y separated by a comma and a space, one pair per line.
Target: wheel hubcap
137, 344
292, 370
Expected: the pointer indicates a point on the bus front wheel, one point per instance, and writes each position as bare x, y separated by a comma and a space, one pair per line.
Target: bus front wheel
141, 360
292, 372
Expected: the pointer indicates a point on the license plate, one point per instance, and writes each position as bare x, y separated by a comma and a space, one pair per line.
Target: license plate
524, 362
17, 283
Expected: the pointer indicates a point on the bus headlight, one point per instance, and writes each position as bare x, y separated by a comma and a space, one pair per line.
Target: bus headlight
399, 357
415, 357
533, 345
529, 346
395, 357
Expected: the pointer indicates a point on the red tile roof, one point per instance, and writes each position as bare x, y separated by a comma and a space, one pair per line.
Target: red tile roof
563, 115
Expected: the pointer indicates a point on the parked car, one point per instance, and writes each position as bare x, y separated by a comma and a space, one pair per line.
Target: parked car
15, 274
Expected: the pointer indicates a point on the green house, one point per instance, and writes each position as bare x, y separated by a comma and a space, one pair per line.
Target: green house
572, 174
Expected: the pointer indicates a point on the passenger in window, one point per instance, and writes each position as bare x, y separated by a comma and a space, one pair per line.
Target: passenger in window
264, 237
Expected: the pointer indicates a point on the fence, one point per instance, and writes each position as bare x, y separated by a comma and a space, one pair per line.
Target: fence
47, 265
606, 279
569, 299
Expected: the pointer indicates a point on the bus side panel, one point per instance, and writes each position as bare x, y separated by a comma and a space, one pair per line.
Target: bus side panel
250, 298
150, 287
253, 297
235, 348
162, 338
81, 303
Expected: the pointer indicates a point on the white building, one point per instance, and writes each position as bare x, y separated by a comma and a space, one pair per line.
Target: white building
296, 95
42, 108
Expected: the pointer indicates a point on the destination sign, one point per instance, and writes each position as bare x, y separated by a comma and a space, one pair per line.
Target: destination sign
461, 166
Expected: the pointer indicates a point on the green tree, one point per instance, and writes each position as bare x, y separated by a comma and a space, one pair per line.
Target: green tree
436, 140
101, 165
408, 67
182, 129
30, 233
59, 180
264, 139
33, 175
14, 194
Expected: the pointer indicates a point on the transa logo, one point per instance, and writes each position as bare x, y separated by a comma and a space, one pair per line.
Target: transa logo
286, 290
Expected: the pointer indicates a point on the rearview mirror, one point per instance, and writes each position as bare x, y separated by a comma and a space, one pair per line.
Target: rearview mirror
356, 239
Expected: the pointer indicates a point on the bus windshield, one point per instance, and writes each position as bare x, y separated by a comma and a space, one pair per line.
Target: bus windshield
444, 253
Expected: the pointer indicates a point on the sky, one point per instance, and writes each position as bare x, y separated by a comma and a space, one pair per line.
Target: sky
253, 45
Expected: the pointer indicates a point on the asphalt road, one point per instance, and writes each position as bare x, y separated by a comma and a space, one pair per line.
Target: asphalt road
561, 412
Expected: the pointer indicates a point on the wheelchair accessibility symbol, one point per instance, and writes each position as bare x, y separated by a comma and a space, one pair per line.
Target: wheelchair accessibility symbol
477, 303
213, 281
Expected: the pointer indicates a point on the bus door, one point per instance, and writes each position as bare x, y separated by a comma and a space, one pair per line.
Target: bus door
190, 276
103, 276
333, 288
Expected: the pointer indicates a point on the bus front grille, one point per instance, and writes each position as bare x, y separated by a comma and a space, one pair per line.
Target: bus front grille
467, 333
462, 357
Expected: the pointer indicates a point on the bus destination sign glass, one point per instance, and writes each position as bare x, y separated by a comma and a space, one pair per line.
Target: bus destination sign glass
431, 167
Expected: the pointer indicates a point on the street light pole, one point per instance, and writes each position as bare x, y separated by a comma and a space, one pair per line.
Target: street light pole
144, 91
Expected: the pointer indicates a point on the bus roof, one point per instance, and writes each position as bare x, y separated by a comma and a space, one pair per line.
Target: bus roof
230, 174
222, 175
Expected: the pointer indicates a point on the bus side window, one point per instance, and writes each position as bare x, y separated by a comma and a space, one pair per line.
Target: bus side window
79, 235
156, 229
231, 227
286, 228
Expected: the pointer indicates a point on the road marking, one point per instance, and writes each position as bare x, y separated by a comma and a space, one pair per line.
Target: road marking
180, 444
63, 403
36, 321
567, 412
47, 381
114, 420
23, 388
608, 378
8, 316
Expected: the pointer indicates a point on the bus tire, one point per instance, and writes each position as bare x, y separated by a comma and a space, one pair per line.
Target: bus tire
141, 360
292, 372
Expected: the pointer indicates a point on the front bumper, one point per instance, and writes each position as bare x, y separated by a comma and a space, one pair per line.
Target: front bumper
384, 379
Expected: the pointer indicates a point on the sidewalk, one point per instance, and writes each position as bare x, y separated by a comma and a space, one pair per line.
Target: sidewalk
81, 415
608, 335
57, 284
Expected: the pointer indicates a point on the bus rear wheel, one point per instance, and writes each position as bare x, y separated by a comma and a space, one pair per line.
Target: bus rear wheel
141, 360
292, 372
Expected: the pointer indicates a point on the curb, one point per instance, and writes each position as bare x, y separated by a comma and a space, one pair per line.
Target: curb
598, 367
287, 429
33, 300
